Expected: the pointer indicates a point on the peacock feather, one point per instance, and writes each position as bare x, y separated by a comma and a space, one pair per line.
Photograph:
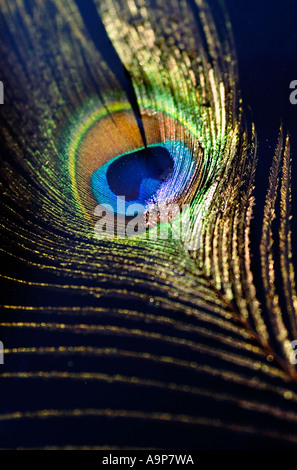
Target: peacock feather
141, 341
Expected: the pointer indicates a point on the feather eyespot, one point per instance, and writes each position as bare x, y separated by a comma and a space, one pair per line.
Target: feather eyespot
111, 162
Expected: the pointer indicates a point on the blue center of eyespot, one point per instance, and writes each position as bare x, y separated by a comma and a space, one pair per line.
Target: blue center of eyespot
138, 175
152, 175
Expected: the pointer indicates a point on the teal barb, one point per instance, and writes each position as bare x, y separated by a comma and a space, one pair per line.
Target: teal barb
133, 342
